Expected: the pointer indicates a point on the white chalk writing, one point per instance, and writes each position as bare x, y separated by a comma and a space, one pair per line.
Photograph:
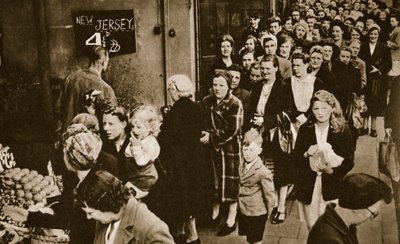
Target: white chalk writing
84, 20
122, 24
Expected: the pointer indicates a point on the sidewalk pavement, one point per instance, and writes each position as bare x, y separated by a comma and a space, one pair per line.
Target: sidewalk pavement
382, 230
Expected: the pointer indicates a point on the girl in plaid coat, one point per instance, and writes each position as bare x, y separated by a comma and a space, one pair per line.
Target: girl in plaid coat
223, 120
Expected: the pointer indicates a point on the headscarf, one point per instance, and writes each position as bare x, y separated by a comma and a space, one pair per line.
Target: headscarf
81, 147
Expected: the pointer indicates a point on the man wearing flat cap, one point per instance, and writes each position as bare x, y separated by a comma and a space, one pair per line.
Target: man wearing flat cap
360, 199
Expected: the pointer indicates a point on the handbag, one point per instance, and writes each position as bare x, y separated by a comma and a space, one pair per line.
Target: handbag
286, 133
354, 110
388, 158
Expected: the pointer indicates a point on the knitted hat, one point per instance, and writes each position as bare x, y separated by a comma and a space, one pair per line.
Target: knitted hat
358, 191
81, 147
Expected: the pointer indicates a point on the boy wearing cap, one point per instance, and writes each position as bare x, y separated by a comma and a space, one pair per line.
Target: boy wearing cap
360, 199
257, 196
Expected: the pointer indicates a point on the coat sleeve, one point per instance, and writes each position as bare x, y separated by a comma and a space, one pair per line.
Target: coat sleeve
234, 123
344, 149
159, 234
386, 61
110, 95
270, 195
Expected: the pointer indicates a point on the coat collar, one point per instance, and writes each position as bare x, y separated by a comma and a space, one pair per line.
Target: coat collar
256, 166
337, 222
127, 222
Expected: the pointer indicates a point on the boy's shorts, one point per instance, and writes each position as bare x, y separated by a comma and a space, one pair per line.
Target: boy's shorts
252, 226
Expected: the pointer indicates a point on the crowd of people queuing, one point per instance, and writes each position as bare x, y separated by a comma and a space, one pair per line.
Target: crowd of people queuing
277, 117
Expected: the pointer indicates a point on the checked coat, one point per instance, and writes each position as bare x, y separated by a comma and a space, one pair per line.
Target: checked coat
224, 122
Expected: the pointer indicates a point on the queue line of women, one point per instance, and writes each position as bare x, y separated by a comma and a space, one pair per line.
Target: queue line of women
129, 150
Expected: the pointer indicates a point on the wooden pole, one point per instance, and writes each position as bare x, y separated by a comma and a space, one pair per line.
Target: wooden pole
39, 11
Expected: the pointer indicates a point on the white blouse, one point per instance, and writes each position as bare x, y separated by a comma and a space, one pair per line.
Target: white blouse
265, 92
303, 91
111, 232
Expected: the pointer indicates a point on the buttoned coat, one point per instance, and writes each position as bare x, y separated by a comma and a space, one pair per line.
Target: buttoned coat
375, 91
279, 100
257, 195
305, 178
138, 226
224, 122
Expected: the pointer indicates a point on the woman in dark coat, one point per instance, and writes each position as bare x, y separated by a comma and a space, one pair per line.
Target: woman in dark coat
379, 63
269, 99
323, 155
181, 155
222, 129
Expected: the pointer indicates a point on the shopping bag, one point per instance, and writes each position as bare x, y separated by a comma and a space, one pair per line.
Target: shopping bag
388, 159
286, 133
355, 109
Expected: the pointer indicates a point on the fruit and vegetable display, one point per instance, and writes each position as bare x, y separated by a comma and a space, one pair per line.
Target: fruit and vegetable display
24, 188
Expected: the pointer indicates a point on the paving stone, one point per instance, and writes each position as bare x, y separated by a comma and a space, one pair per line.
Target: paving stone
292, 241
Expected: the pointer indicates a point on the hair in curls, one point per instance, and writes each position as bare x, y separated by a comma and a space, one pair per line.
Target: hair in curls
102, 191
229, 39
337, 121
149, 116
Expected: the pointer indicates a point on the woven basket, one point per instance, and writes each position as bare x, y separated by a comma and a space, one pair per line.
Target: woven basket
41, 239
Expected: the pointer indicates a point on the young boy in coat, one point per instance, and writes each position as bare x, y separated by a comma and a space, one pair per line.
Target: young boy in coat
257, 196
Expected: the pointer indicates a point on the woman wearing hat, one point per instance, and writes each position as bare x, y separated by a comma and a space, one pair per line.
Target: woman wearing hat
223, 120
82, 154
181, 155
379, 62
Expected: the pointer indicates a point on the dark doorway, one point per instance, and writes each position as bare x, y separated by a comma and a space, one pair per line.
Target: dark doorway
218, 17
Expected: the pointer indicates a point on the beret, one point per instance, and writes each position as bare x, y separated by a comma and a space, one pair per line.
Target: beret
358, 191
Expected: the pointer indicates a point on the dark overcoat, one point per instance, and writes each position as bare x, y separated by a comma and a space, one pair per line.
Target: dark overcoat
305, 178
279, 100
330, 228
375, 91
181, 155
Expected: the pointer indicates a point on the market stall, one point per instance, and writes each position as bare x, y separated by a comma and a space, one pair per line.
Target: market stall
23, 191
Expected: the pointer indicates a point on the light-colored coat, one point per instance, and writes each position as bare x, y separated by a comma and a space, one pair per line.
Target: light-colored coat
138, 225
257, 195
394, 43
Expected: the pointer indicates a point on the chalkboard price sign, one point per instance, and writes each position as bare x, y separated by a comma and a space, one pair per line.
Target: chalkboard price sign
114, 29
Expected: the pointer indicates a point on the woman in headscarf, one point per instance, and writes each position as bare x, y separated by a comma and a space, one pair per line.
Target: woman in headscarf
82, 154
